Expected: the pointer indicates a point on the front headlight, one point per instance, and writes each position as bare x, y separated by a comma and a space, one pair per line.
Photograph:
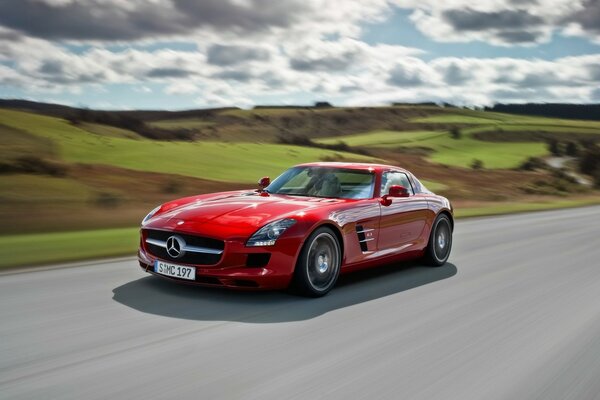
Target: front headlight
150, 215
268, 234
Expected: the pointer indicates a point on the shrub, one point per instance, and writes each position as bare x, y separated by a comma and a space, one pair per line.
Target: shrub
572, 149
532, 163
32, 165
554, 147
477, 164
107, 200
589, 161
455, 133
171, 187
597, 178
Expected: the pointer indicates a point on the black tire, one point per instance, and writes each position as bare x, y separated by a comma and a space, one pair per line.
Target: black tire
440, 242
318, 265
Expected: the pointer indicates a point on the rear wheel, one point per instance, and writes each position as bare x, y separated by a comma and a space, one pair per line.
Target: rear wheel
440, 242
319, 263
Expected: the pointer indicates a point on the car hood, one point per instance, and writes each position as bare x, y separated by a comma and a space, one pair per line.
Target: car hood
237, 214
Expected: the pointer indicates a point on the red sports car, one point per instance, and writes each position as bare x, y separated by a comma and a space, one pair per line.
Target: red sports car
302, 230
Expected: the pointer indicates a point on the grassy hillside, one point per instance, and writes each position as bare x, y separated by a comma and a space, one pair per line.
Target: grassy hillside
500, 141
206, 159
446, 150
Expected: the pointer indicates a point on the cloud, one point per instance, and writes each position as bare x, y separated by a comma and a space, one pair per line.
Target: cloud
401, 76
120, 20
168, 72
473, 20
246, 51
137, 19
223, 55
585, 20
504, 22
319, 55
235, 75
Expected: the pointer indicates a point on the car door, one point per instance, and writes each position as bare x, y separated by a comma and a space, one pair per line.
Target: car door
403, 219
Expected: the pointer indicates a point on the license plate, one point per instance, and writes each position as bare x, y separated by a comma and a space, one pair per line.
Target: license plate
176, 271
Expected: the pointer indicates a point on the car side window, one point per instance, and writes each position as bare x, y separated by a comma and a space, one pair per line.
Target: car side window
391, 178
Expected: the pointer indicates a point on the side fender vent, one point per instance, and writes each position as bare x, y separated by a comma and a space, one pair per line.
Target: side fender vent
362, 237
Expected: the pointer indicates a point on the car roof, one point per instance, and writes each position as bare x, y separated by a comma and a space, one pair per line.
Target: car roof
353, 165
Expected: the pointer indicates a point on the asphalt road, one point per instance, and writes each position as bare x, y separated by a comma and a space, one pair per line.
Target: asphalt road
514, 315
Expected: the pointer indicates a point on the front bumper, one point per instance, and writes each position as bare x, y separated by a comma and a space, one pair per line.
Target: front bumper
238, 269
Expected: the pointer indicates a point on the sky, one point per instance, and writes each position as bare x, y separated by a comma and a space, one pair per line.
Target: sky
183, 54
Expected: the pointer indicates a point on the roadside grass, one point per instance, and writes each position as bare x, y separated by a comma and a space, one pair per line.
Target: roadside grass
518, 207
209, 160
49, 248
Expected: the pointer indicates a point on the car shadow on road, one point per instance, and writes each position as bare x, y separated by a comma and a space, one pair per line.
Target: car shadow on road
157, 296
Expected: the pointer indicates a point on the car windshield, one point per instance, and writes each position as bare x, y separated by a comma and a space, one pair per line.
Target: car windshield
324, 182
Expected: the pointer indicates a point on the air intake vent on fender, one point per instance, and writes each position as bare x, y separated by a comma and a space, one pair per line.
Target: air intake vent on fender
362, 237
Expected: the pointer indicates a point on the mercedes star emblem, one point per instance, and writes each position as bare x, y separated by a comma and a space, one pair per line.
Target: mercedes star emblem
175, 246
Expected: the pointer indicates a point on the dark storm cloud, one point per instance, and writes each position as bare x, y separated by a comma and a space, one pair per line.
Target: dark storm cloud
513, 26
399, 76
93, 20
168, 73
229, 55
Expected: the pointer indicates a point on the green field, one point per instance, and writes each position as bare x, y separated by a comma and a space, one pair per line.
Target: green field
446, 150
209, 160
499, 154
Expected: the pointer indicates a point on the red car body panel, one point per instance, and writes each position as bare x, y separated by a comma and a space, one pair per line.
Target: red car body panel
393, 232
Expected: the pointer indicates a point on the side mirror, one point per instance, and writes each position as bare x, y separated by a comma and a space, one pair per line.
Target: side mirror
264, 182
398, 191
395, 191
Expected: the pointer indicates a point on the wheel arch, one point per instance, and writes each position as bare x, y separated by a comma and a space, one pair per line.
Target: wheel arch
450, 217
338, 234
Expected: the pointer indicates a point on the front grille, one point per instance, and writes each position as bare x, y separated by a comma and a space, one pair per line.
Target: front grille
191, 240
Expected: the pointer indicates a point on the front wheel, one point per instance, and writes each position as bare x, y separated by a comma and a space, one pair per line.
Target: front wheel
440, 242
319, 263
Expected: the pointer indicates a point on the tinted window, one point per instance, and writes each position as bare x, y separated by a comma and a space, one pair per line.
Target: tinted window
324, 182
